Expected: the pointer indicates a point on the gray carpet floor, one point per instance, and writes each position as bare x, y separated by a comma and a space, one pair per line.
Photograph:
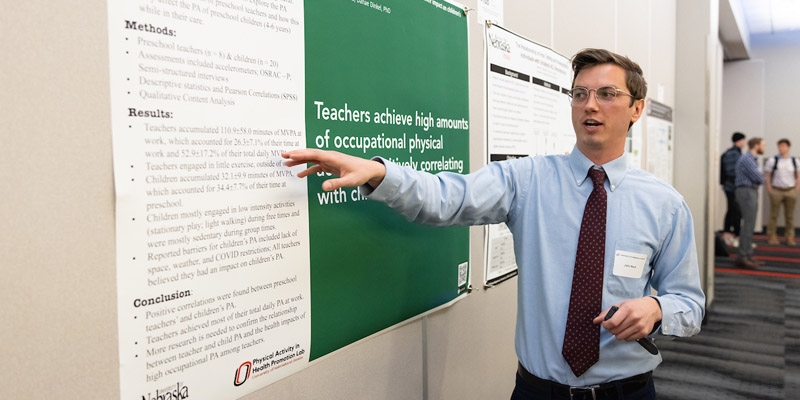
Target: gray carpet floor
749, 347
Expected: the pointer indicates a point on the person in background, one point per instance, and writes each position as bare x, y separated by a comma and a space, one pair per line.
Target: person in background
748, 178
781, 176
727, 178
589, 233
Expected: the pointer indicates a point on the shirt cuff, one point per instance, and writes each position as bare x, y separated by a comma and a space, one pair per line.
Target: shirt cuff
657, 325
676, 318
390, 185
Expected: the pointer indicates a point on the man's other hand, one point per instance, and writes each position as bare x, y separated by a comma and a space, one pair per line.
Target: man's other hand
634, 319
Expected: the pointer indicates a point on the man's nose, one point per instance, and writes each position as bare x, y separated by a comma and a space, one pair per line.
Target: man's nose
591, 102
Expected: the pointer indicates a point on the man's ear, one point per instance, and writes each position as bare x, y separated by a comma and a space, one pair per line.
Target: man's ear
638, 109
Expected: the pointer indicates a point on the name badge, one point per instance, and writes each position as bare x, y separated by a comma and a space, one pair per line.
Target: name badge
629, 264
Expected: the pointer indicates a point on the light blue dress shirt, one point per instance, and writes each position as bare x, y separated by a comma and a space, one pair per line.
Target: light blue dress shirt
542, 200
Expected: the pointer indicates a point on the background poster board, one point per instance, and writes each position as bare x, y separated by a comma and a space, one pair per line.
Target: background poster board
231, 272
633, 145
660, 140
527, 114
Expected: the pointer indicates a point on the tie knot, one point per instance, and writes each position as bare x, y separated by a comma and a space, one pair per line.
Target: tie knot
598, 176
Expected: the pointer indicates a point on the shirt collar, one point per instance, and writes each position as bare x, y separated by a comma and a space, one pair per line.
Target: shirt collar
580, 164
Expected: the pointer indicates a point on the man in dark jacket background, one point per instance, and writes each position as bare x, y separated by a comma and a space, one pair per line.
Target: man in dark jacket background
727, 178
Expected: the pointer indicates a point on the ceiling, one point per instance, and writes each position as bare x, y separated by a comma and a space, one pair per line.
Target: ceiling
741, 19
771, 16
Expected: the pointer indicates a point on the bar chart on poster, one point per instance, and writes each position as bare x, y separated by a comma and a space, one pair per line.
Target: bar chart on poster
233, 273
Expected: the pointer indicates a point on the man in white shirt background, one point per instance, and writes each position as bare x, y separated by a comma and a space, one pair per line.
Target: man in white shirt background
781, 173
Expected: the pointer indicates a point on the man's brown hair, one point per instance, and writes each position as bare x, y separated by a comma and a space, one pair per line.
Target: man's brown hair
634, 78
785, 141
752, 143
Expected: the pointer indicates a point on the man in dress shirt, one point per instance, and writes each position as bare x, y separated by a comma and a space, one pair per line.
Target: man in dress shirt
782, 175
748, 178
542, 200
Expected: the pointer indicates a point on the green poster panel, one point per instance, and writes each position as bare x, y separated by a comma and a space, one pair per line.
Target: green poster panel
387, 78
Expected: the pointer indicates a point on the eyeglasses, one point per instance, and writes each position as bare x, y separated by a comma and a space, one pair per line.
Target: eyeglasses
604, 95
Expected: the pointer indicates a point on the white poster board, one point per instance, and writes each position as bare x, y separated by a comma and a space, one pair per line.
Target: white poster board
660, 139
527, 113
633, 146
212, 229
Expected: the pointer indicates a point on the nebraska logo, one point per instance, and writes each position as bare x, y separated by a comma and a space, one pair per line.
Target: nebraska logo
179, 393
240, 377
500, 44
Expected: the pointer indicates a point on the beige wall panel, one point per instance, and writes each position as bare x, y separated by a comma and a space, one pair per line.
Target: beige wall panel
471, 346
530, 19
662, 50
58, 292
633, 32
743, 100
580, 24
696, 69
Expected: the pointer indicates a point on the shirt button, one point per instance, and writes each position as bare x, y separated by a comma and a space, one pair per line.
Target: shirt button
613, 187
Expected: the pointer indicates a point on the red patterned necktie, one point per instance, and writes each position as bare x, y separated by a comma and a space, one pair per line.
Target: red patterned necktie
582, 338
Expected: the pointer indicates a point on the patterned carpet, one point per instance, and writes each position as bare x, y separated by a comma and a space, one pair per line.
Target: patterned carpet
749, 347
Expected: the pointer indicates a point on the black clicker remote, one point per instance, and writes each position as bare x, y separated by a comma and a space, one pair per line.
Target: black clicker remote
647, 343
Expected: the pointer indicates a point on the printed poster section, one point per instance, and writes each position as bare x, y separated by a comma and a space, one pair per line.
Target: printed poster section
212, 229
527, 114
633, 145
490, 10
383, 78
659, 140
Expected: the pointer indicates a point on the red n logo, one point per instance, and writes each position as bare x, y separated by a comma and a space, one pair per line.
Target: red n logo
238, 376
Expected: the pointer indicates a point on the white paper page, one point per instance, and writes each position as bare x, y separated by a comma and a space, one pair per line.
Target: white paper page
527, 113
212, 230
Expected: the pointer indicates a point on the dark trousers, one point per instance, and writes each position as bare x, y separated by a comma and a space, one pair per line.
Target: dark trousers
525, 391
733, 218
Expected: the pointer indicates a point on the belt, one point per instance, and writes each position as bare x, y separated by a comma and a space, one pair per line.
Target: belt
783, 188
608, 390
